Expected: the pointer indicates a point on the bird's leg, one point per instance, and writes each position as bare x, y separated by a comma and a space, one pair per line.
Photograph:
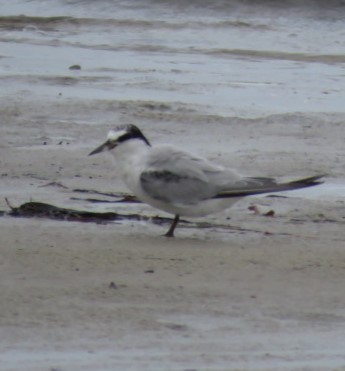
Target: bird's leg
170, 232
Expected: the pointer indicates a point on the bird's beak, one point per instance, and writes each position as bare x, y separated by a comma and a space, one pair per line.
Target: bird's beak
103, 147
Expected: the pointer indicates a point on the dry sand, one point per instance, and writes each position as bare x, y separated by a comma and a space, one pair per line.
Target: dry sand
267, 294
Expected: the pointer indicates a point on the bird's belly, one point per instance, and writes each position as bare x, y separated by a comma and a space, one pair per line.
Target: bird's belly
197, 209
202, 208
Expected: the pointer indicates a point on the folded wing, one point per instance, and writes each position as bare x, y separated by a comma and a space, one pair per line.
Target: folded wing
179, 177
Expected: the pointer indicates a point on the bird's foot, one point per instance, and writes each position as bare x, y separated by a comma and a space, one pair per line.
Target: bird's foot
169, 234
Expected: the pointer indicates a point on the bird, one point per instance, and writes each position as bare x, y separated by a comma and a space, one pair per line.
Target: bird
179, 182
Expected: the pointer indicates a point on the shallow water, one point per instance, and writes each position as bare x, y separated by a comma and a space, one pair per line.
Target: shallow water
224, 58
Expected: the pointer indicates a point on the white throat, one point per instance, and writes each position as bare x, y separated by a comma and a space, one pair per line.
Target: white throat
130, 159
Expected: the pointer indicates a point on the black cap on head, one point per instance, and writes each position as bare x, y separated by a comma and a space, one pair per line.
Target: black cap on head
131, 132
120, 135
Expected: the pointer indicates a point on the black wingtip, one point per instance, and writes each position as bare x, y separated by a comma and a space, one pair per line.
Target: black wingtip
309, 181
280, 187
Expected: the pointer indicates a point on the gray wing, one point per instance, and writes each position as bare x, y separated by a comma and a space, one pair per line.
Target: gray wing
179, 177
170, 186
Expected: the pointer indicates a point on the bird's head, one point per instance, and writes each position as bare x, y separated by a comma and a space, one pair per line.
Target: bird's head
120, 135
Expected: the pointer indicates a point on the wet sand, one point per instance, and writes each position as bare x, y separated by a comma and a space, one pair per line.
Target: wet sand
239, 292
267, 293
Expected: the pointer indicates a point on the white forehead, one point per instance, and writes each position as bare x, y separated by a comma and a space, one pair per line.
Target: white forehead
115, 134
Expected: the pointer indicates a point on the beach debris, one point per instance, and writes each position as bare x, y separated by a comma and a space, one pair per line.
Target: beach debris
53, 184
120, 197
112, 285
75, 67
43, 210
261, 210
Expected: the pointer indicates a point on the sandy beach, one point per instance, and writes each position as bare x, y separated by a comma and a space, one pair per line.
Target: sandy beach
233, 291
249, 292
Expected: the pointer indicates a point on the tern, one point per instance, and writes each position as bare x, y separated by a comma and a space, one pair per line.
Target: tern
180, 183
